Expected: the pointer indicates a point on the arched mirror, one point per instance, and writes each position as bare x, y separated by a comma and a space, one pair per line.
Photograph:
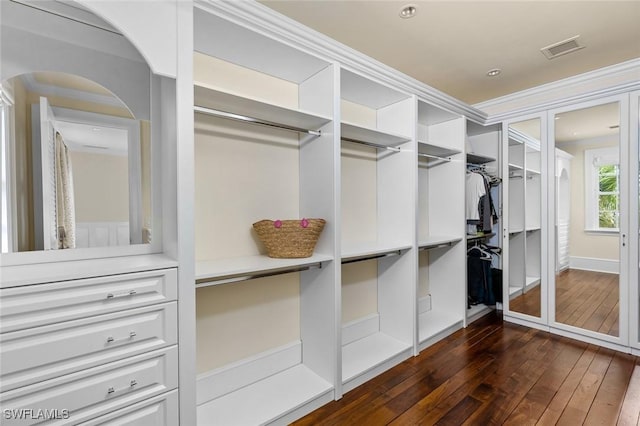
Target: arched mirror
75, 132
525, 217
589, 218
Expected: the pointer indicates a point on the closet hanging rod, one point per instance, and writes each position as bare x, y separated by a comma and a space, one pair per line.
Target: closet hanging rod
373, 256
420, 154
251, 120
375, 145
435, 246
205, 282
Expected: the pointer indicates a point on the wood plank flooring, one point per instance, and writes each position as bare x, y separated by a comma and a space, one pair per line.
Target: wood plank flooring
494, 373
584, 299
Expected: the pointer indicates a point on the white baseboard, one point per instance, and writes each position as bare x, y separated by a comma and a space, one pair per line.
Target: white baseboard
360, 328
593, 264
221, 381
424, 304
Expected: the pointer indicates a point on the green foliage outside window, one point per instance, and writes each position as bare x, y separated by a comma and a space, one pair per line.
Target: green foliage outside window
608, 196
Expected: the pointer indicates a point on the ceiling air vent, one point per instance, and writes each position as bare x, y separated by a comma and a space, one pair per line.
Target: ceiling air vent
562, 48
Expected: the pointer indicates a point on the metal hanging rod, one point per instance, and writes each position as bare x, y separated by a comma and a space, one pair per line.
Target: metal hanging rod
251, 120
434, 156
375, 145
373, 256
205, 282
435, 246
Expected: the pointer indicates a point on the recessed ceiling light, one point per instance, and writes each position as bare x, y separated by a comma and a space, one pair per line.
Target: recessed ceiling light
408, 11
494, 72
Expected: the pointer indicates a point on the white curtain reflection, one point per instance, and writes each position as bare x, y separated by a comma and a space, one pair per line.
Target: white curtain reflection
65, 204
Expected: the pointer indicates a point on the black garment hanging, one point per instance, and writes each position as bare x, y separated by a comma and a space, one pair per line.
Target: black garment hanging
480, 288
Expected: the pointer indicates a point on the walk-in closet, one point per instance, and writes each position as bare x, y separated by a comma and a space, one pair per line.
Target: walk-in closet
436, 213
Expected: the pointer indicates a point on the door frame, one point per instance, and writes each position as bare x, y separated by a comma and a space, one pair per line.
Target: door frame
621, 342
634, 219
518, 317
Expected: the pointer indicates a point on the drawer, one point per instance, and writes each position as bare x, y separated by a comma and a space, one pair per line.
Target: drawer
41, 353
34, 305
158, 411
88, 394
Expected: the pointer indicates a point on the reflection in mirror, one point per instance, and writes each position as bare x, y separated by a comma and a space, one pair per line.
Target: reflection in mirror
525, 213
75, 158
587, 185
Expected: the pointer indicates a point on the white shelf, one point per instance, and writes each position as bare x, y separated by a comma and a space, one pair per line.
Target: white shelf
515, 231
370, 251
354, 132
436, 241
531, 172
428, 148
211, 98
533, 228
478, 159
514, 167
267, 400
219, 271
433, 322
367, 353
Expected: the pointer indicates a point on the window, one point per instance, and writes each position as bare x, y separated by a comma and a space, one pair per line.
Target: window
602, 189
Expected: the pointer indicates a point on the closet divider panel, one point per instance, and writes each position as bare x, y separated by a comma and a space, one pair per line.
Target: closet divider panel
319, 192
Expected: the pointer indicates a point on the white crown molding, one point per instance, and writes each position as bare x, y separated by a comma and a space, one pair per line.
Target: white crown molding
608, 81
259, 18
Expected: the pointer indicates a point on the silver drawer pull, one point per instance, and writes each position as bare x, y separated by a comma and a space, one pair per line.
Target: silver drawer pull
132, 384
111, 339
129, 293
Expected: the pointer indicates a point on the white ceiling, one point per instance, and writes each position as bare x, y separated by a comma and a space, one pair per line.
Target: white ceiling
451, 44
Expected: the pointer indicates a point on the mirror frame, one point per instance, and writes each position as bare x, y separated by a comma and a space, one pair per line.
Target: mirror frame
519, 317
561, 328
157, 89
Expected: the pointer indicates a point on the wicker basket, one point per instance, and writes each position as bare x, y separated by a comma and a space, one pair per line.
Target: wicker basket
289, 238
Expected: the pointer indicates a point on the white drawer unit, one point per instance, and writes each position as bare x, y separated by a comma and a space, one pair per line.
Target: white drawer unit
40, 353
87, 394
34, 305
161, 410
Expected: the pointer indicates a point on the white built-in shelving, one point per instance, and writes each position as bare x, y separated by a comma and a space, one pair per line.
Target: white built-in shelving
377, 251
483, 153
265, 144
441, 165
284, 336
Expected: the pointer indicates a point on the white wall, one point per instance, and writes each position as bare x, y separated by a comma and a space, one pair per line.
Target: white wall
101, 187
243, 174
585, 244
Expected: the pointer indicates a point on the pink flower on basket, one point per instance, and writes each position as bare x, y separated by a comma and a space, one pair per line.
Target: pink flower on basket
304, 223
277, 223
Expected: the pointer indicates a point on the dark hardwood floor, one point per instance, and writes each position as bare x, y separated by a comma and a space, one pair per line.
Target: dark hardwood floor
494, 373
